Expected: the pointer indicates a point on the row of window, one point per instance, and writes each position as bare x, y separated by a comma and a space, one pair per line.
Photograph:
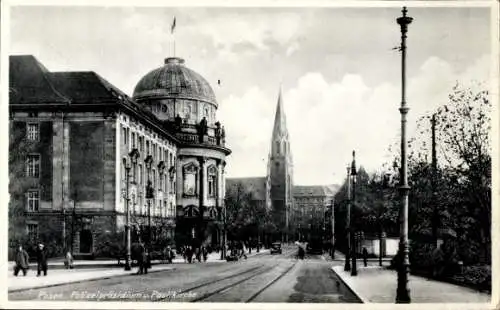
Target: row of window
158, 207
145, 146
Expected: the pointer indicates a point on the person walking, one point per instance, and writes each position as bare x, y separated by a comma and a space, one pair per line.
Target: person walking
140, 258
68, 260
365, 257
204, 252
41, 260
22, 261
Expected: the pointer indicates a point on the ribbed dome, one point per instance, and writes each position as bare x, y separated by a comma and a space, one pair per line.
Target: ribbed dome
174, 80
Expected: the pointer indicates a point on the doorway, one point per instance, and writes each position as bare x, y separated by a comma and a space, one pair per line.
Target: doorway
86, 241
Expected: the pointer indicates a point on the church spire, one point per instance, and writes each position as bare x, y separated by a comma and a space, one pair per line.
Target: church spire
280, 130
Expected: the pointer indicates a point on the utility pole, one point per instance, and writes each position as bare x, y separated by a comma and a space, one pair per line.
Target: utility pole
354, 270
435, 211
347, 266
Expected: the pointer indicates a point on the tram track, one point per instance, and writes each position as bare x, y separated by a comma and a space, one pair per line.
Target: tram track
208, 283
234, 285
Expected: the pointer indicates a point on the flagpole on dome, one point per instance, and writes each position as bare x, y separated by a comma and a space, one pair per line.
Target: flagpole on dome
172, 32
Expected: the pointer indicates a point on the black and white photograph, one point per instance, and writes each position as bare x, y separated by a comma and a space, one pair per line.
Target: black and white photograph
220, 154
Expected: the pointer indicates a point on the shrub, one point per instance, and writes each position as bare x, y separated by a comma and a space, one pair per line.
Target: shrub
477, 276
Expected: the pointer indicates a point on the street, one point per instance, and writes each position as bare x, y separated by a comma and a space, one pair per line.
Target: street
261, 278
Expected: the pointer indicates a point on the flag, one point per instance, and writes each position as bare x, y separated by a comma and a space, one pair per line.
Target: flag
172, 28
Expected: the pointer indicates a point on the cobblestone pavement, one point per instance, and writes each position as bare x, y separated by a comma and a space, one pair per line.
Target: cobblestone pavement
262, 278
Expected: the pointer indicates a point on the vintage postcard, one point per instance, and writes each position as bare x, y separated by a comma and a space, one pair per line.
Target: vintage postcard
289, 154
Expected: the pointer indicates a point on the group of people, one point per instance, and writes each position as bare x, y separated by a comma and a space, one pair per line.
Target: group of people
22, 260
199, 253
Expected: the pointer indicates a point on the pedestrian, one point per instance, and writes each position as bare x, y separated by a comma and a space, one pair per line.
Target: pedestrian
365, 256
41, 260
140, 258
147, 260
22, 261
189, 254
204, 252
68, 260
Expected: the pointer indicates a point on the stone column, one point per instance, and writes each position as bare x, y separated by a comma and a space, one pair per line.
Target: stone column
201, 203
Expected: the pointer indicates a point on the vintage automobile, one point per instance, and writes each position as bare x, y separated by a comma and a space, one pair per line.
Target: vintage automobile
276, 248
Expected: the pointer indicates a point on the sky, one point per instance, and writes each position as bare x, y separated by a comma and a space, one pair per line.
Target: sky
339, 74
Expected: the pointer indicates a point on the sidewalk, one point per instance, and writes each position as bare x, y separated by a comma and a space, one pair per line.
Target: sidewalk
375, 284
101, 270
67, 276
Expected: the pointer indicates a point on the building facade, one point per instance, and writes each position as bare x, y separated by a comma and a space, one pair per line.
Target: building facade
94, 153
296, 209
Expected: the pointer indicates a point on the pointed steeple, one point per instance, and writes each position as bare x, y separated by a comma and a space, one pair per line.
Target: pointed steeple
280, 129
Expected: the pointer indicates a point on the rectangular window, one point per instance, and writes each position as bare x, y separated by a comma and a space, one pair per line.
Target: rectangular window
140, 174
33, 200
33, 131
141, 144
170, 159
133, 140
154, 178
147, 147
32, 231
211, 185
160, 181
154, 151
33, 166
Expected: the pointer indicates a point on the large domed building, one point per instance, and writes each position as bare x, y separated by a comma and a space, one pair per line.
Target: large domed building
185, 102
96, 155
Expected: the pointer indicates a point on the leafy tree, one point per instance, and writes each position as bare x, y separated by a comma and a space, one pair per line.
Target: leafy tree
246, 217
19, 148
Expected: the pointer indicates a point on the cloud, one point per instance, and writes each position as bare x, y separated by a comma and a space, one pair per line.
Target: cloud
329, 119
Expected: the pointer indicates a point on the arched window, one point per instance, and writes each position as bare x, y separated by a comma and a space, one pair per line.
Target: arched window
212, 181
278, 147
190, 177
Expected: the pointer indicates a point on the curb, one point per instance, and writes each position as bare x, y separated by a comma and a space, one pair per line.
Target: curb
362, 299
80, 281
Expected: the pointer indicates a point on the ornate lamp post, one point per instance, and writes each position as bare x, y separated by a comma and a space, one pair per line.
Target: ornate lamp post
127, 225
403, 293
354, 270
134, 154
347, 266
149, 195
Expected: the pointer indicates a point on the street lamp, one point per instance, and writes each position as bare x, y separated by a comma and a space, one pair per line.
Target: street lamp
127, 225
347, 266
354, 270
403, 293
149, 195
134, 154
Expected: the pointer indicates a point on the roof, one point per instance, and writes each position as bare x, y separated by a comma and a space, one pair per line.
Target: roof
32, 84
314, 190
256, 185
85, 87
280, 129
29, 83
174, 80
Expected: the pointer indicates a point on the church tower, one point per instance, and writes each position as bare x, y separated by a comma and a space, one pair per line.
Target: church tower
281, 172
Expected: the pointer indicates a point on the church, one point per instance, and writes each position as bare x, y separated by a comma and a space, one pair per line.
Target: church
299, 212
86, 160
